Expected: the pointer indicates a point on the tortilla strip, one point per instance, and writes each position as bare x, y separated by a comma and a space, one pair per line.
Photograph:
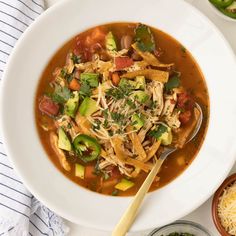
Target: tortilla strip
150, 58
137, 144
60, 154
188, 130
83, 124
161, 76
152, 151
123, 158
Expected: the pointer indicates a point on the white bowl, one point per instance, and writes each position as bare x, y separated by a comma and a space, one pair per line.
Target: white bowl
32, 53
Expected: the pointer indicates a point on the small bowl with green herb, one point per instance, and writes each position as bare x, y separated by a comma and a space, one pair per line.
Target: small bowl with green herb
225, 8
181, 228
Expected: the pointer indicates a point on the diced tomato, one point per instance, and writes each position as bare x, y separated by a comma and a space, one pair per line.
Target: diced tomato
123, 62
115, 173
89, 172
185, 116
48, 107
185, 101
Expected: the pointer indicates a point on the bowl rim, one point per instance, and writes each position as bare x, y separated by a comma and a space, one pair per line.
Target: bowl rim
182, 222
215, 201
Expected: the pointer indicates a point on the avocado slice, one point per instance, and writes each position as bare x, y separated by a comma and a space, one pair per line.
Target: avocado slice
140, 82
110, 42
166, 137
63, 140
137, 121
72, 104
79, 171
140, 96
90, 78
88, 107
124, 185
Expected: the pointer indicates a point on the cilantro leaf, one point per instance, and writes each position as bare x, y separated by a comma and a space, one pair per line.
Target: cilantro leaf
85, 90
174, 82
76, 59
144, 38
157, 133
60, 94
65, 75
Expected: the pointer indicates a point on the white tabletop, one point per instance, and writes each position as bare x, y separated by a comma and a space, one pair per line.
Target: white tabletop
201, 215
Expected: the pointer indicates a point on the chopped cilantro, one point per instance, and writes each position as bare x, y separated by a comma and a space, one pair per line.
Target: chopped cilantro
60, 94
115, 192
63, 72
144, 38
96, 125
65, 75
76, 59
157, 133
131, 103
105, 113
85, 90
120, 92
105, 124
117, 117
174, 82
179, 234
110, 133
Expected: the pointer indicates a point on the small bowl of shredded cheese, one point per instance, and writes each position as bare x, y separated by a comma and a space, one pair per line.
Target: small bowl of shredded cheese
224, 207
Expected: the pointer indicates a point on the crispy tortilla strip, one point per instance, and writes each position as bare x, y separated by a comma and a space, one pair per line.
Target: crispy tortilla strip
123, 158
161, 76
152, 151
137, 144
150, 58
83, 124
183, 137
60, 154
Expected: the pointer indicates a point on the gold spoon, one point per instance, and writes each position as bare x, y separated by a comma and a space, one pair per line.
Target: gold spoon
128, 217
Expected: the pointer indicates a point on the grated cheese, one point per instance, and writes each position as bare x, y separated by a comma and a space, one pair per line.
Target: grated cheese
227, 209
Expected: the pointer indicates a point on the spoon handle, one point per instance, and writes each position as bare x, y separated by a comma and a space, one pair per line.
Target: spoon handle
128, 217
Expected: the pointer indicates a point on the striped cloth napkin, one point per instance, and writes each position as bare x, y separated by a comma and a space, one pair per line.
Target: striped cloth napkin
20, 213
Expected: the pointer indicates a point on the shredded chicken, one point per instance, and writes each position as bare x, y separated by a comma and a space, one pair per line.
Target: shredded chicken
60, 154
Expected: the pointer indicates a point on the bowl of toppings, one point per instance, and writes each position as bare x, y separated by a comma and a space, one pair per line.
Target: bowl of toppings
224, 207
224, 8
103, 95
181, 228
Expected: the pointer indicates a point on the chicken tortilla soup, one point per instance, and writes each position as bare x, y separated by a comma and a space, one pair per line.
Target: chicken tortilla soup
110, 101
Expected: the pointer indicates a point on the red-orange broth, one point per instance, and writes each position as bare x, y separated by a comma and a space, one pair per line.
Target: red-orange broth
191, 79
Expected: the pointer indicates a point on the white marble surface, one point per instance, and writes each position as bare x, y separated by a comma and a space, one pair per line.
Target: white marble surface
201, 215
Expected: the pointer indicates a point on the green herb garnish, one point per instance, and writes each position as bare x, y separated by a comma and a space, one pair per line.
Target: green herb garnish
144, 38
179, 234
117, 117
157, 133
76, 59
60, 94
85, 90
174, 82
65, 75
115, 192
